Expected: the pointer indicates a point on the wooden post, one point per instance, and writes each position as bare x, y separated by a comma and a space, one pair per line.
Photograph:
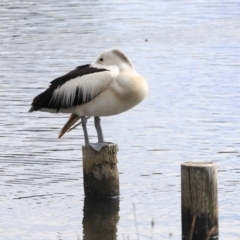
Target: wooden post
199, 201
100, 172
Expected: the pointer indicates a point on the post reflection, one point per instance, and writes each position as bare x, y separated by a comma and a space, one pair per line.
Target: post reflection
100, 218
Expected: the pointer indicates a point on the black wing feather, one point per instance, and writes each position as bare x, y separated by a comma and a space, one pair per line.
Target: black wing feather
43, 100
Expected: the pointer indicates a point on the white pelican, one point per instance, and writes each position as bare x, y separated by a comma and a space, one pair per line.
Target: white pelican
106, 87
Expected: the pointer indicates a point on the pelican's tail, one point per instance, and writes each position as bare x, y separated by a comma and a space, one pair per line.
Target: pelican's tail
72, 119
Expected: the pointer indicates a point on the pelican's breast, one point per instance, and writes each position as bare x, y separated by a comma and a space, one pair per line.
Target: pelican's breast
131, 89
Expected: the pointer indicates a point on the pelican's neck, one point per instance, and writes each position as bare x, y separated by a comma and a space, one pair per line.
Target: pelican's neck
120, 68
126, 68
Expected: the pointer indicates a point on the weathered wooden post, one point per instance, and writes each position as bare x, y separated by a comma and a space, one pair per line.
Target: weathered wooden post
100, 173
199, 201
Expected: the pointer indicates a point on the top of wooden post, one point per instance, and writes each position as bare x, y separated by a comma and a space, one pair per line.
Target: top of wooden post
199, 164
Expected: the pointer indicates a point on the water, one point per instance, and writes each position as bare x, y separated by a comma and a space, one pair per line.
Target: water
188, 52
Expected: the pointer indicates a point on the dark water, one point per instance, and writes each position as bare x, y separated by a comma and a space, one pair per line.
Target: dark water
188, 52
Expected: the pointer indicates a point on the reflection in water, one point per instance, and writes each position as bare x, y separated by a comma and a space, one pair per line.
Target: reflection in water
100, 218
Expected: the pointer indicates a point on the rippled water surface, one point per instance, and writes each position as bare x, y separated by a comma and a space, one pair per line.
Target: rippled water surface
189, 53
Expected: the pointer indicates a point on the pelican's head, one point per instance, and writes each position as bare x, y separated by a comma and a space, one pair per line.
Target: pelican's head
115, 57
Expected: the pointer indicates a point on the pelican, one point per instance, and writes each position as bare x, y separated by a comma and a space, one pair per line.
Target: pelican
106, 87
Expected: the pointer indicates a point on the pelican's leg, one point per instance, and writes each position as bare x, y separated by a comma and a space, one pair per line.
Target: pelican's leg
100, 144
84, 126
97, 122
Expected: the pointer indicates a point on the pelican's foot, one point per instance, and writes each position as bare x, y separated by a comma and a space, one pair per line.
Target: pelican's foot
98, 146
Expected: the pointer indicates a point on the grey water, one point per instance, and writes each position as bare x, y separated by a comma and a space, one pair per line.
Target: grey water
189, 52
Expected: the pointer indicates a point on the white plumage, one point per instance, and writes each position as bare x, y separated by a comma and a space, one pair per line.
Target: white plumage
107, 87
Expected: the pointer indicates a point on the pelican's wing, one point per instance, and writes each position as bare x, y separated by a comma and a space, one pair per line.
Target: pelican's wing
75, 88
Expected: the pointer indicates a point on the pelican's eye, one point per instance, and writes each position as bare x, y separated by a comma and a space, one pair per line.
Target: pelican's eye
101, 60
